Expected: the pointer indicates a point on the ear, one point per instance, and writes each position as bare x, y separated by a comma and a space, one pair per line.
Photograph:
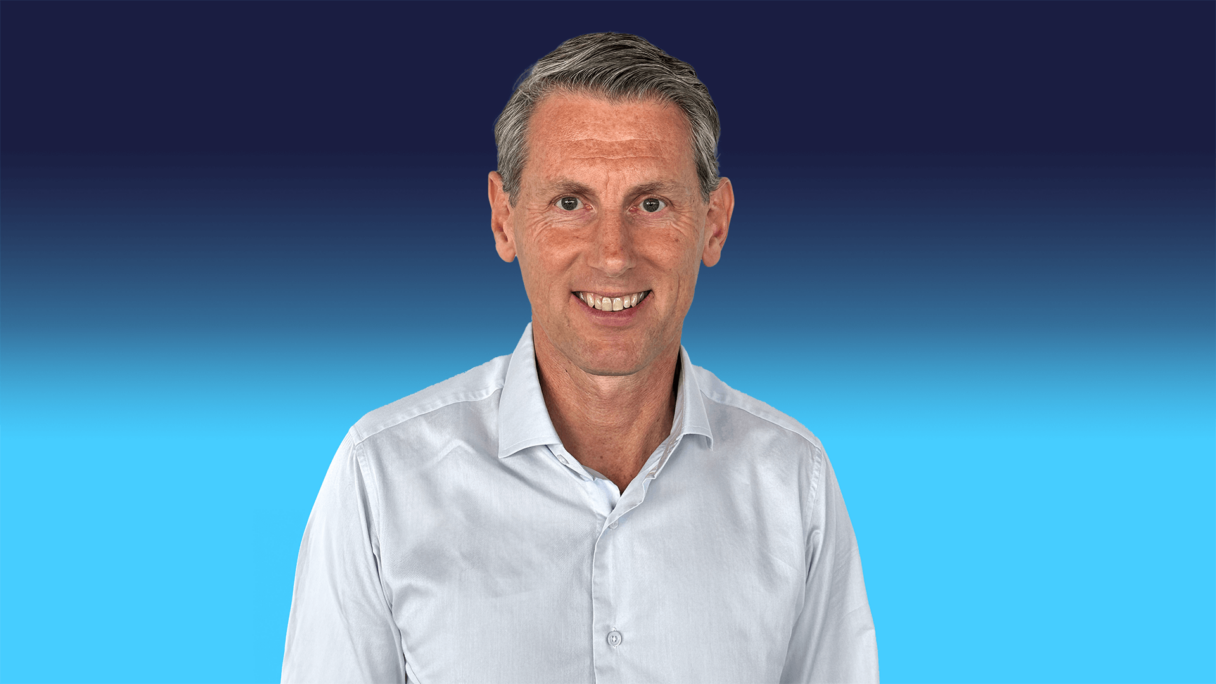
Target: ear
717, 221
500, 219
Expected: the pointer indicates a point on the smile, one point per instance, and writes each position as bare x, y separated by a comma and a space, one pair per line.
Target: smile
612, 303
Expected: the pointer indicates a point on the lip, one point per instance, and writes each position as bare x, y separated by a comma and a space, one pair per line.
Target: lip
616, 319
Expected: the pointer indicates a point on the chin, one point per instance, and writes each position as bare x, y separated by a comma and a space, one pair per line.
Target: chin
620, 356
626, 352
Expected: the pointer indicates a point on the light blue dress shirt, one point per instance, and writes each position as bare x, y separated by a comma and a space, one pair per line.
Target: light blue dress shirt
455, 540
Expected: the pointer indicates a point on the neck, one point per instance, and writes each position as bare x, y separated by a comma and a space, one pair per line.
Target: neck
611, 424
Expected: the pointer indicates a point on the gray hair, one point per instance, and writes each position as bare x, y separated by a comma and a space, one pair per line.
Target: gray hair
616, 66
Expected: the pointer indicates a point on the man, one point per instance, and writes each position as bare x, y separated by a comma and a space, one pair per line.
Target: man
591, 508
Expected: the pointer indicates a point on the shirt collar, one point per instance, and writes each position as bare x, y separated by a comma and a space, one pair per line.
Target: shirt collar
523, 418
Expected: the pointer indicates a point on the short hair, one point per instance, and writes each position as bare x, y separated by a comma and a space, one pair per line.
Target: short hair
616, 66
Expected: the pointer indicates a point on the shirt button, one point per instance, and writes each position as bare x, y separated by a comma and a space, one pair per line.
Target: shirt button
612, 525
614, 638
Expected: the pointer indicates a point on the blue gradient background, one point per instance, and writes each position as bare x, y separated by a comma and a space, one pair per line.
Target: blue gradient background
973, 252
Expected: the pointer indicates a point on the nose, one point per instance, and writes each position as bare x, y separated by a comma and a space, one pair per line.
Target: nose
612, 248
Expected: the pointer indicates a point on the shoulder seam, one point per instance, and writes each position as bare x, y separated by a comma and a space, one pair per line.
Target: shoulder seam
365, 472
817, 453
721, 399
816, 476
458, 398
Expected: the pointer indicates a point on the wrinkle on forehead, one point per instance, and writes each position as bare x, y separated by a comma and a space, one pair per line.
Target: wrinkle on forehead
593, 148
599, 157
580, 134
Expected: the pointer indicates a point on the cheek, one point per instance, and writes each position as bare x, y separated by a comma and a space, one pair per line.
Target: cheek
545, 255
683, 256
675, 251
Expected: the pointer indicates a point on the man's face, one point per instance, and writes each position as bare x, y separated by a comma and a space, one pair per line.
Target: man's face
609, 206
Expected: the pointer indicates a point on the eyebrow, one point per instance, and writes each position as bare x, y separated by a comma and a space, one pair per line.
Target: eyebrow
563, 185
651, 188
571, 186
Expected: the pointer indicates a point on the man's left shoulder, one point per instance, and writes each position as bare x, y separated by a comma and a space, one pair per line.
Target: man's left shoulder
749, 417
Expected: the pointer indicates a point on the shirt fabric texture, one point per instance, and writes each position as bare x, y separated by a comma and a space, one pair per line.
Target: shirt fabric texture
454, 539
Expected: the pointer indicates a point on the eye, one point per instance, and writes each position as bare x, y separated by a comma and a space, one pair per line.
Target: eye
570, 203
652, 204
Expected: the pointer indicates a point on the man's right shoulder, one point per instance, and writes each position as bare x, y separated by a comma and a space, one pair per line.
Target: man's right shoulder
474, 386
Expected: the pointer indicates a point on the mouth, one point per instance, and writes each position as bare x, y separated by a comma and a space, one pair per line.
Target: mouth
612, 302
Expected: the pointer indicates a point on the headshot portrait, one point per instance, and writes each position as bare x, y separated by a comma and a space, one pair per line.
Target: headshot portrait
607, 342
515, 523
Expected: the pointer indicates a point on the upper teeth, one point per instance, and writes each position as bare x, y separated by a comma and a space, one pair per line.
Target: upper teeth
612, 303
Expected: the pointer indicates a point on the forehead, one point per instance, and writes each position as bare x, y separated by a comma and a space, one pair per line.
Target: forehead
569, 132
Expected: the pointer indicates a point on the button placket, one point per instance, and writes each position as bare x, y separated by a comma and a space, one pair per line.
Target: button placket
603, 601
604, 609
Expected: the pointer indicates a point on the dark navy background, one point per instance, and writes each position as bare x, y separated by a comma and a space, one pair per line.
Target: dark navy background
973, 252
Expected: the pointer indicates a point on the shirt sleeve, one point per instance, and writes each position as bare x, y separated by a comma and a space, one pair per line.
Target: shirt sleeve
833, 638
341, 627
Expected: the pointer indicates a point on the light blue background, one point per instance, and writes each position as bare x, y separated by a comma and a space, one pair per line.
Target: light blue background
1009, 362
1008, 353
